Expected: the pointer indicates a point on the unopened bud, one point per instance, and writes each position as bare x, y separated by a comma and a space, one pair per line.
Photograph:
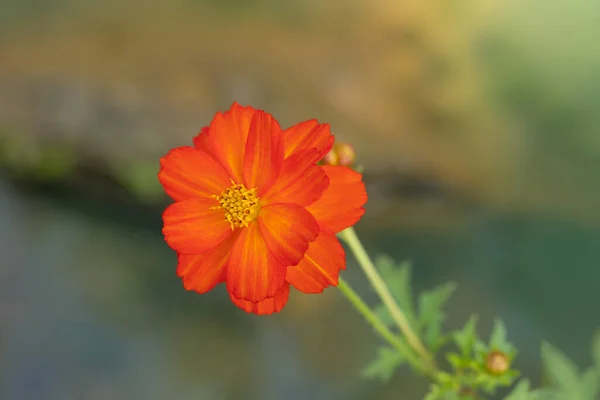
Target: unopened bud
497, 363
346, 154
331, 158
341, 154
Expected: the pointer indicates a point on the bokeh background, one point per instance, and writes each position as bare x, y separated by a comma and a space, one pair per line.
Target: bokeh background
477, 122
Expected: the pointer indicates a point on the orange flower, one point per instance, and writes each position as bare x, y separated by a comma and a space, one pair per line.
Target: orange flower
254, 210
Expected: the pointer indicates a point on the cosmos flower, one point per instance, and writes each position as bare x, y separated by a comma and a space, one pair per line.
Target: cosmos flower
254, 210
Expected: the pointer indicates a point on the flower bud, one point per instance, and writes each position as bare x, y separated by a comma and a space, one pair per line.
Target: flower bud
331, 158
346, 154
497, 363
342, 154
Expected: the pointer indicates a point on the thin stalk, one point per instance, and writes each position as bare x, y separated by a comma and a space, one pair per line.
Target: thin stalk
349, 235
379, 326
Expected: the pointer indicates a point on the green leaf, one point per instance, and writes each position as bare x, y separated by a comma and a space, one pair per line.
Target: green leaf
560, 371
384, 366
431, 315
445, 378
588, 385
520, 391
480, 350
498, 336
547, 394
383, 314
456, 361
466, 338
438, 393
398, 280
435, 393
432, 301
453, 396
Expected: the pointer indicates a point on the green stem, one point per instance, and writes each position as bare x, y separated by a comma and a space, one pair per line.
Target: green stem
384, 293
379, 326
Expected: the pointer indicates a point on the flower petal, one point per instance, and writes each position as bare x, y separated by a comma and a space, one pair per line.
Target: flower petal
341, 206
253, 273
308, 135
320, 266
193, 226
287, 230
226, 138
263, 158
301, 180
267, 306
186, 172
201, 140
202, 272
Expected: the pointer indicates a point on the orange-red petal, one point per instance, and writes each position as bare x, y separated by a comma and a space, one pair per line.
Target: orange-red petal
202, 272
226, 138
341, 206
308, 135
201, 140
321, 265
186, 172
287, 230
267, 306
263, 156
193, 226
253, 273
301, 180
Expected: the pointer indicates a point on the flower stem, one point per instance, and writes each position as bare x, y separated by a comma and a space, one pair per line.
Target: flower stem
379, 326
396, 313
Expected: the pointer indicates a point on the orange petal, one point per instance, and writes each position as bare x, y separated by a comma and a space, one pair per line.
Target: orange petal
264, 152
201, 140
186, 172
192, 226
267, 306
320, 266
226, 138
202, 272
308, 135
287, 230
342, 204
301, 181
253, 273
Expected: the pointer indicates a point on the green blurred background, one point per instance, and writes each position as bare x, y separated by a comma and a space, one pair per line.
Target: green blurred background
477, 122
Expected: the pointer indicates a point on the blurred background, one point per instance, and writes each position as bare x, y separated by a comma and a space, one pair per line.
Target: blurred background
476, 121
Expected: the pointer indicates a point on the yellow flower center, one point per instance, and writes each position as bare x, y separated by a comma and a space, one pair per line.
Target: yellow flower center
241, 205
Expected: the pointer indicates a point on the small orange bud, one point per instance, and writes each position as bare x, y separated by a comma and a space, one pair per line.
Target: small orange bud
342, 154
497, 363
346, 154
331, 158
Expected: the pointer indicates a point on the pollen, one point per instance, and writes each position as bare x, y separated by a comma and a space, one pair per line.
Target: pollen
240, 205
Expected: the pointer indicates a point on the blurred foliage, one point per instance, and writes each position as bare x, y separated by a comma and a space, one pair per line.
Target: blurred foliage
564, 381
477, 367
27, 158
472, 93
429, 317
